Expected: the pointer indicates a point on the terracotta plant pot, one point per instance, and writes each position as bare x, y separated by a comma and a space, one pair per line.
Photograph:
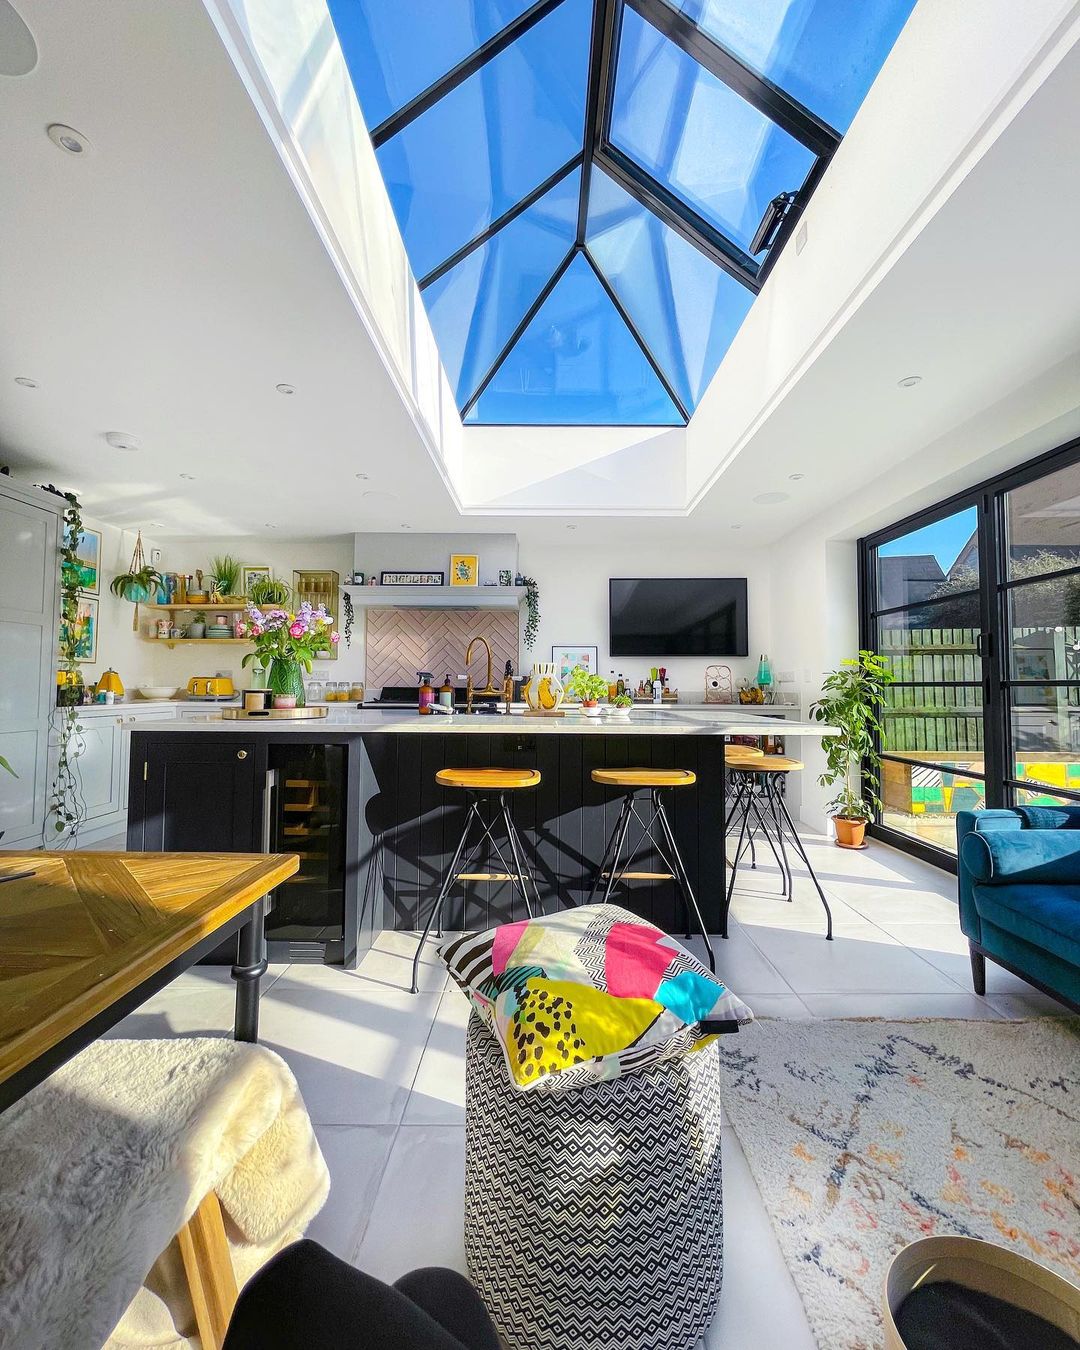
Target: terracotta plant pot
850, 833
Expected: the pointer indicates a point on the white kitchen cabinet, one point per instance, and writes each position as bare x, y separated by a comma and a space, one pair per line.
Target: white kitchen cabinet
29, 617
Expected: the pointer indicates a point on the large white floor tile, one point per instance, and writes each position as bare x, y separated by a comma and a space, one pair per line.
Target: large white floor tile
438, 1091
778, 1005
418, 1215
899, 1006
945, 947
740, 964
207, 1011
759, 1305
1033, 1003
356, 1157
864, 960
354, 1049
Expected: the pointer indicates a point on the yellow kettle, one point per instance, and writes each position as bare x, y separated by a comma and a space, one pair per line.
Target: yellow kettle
110, 683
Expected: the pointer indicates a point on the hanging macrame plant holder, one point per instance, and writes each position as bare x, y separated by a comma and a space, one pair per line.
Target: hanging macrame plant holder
138, 562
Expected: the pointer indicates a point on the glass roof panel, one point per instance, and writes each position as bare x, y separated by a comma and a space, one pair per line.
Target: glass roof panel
393, 56
825, 53
489, 142
477, 305
686, 309
697, 136
576, 364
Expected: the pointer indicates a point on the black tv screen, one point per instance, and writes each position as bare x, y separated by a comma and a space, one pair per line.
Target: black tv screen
677, 616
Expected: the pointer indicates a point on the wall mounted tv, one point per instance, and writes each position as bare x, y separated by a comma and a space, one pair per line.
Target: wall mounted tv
677, 616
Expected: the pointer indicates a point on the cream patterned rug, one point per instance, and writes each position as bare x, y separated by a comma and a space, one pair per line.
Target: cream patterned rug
865, 1135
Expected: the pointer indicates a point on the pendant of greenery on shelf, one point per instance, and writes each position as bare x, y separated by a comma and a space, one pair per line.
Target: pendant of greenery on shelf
348, 614
532, 612
66, 808
226, 573
265, 591
851, 700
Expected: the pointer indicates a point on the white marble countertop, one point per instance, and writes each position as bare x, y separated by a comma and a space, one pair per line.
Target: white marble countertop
642, 722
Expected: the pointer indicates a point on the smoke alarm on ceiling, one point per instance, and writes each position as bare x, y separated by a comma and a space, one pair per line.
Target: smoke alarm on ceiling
120, 440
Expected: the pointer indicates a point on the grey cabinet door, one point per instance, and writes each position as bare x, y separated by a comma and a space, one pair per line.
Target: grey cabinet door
29, 581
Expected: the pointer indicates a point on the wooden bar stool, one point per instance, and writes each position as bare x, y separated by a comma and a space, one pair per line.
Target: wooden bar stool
759, 796
637, 783
484, 788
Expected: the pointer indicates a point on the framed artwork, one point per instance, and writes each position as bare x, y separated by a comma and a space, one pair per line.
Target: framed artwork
506, 577
86, 630
412, 579
88, 562
566, 658
464, 569
249, 572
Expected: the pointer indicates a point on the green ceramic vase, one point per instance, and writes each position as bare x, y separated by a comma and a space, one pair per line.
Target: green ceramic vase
286, 677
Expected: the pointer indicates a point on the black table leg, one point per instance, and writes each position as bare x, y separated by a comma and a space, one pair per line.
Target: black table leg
248, 970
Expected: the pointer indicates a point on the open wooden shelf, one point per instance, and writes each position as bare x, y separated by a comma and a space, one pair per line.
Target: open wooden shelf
202, 642
201, 604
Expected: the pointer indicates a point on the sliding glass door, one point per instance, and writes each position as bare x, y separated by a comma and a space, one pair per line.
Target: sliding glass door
976, 602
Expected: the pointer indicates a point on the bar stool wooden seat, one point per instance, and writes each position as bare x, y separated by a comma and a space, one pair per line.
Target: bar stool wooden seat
654, 782
485, 788
758, 802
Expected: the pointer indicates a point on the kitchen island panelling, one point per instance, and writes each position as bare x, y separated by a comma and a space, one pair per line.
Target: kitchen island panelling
399, 828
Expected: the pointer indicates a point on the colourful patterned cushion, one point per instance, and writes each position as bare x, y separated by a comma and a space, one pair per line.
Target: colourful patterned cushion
589, 993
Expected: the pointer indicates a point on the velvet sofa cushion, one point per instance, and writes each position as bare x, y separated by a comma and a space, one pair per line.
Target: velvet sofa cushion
1045, 916
1040, 857
1049, 817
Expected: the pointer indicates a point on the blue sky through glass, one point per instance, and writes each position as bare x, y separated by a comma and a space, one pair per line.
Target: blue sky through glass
576, 364
492, 140
825, 53
476, 306
394, 52
944, 540
697, 136
686, 309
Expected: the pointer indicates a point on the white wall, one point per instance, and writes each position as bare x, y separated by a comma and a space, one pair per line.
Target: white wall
573, 582
118, 645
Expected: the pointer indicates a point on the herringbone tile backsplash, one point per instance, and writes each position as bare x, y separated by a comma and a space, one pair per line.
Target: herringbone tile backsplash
402, 641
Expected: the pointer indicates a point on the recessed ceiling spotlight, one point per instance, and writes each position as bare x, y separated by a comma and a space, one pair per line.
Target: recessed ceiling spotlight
377, 494
770, 498
736, 527
69, 140
406, 527
363, 477
909, 381
189, 476
157, 524
285, 388
796, 477
26, 381
120, 440
571, 527
268, 526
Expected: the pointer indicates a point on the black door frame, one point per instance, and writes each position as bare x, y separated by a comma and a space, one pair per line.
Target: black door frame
989, 497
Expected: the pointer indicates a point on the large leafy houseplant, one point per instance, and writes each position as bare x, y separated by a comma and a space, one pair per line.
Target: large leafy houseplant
590, 689
851, 701
286, 643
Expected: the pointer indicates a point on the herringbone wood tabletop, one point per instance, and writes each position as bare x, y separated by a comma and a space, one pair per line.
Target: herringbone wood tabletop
87, 928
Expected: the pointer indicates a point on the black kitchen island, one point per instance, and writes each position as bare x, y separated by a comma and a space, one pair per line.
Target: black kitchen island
358, 801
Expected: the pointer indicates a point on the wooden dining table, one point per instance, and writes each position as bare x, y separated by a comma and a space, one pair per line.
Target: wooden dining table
86, 937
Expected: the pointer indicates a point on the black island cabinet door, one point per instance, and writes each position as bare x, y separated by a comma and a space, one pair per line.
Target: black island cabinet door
191, 793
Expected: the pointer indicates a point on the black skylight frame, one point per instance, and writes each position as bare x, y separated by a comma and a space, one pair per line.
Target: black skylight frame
768, 98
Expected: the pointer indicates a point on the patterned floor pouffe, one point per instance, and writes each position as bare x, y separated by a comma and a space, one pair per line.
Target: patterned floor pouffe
594, 1217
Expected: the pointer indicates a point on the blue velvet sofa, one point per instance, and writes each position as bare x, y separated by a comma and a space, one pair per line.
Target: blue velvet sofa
1019, 884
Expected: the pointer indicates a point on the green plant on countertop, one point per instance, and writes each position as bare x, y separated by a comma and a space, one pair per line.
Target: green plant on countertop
532, 612
265, 591
226, 574
586, 687
67, 809
851, 700
622, 700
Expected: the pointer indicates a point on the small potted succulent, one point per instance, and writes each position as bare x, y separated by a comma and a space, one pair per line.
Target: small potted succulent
197, 627
590, 689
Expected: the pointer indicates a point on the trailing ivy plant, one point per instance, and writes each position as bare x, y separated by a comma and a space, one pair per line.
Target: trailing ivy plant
66, 808
348, 615
532, 612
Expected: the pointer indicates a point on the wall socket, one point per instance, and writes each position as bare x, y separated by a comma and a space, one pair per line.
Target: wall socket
785, 677
155, 557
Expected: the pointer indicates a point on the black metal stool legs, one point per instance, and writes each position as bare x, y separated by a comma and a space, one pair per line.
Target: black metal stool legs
444, 890
785, 815
682, 881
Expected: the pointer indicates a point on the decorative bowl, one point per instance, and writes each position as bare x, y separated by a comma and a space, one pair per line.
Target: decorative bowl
156, 691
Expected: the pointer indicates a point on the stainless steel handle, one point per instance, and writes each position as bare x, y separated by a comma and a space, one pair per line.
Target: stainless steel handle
269, 787
241, 754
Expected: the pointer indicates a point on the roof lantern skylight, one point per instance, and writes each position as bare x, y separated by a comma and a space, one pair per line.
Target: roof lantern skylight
592, 192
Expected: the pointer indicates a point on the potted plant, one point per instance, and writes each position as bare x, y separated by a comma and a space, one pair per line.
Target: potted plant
851, 701
197, 627
620, 706
287, 643
226, 571
265, 591
590, 689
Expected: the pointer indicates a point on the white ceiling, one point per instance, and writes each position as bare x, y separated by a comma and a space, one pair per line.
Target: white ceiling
165, 283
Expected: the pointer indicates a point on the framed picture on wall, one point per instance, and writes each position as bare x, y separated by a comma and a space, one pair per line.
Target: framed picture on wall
87, 562
464, 569
249, 572
85, 627
566, 658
